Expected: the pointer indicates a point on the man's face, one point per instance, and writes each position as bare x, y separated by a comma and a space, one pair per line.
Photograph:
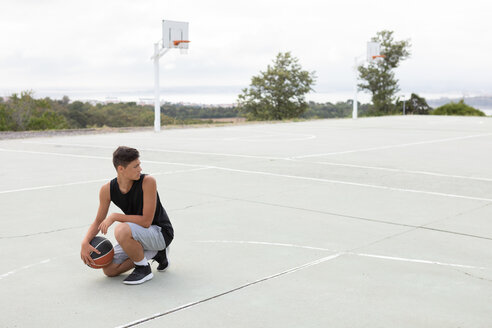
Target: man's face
132, 170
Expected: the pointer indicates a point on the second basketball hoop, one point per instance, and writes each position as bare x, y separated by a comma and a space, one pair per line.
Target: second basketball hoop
174, 35
374, 51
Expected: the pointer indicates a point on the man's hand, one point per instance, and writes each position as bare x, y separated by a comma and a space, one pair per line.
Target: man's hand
85, 253
103, 227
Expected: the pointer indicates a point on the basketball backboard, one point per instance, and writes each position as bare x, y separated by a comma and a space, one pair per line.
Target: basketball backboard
173, 31
373, 50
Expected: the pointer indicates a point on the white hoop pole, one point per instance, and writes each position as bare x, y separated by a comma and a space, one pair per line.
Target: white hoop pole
157, 103
354, 108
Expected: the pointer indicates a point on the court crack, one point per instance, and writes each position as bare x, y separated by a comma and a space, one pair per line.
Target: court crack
475, 276
43, 232
198, 204
341, 215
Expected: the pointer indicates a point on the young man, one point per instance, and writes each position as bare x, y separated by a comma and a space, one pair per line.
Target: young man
144, 232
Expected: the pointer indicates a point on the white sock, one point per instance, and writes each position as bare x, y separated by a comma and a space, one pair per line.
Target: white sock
143, 262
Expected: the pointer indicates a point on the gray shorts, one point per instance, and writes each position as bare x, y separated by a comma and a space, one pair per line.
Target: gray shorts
151, 239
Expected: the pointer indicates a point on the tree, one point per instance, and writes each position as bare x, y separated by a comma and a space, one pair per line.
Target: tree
414, 105
77, 114
21, 108
279, 92
65, 100
378, 76
329, 110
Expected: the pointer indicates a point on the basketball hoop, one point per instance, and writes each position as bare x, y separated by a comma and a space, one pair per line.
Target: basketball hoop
373, 56
182, 45
377, 58
178, 42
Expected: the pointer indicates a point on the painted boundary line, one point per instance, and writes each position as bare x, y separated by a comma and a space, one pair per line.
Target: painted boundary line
52, 186
5, 275
98, 157
93, 181
383, 257
355, 184
402, 259
393, 146
338, 253
272, 158
378, 168
155, 150
189, 305
93, 157
277, 175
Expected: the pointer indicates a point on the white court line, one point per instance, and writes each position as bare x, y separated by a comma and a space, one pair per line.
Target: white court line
93, 181
402, 171
192, 304
278, 175
263, 243
157, 150
50, 153
5, 275
392, 258
94, 157
259, 136
354, 184
383, 257
12, 272
52, 186
392, 146
273, 133
304, 135
273, 158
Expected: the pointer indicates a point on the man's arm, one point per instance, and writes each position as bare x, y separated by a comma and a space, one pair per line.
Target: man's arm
149, 188
104, 202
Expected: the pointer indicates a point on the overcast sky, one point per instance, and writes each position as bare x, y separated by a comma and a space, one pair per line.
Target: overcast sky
106, 45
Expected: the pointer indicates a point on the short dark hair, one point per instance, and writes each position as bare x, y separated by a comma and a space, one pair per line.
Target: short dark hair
124, 155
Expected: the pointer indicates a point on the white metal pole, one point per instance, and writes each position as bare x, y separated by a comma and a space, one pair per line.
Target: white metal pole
157, 103
354, 109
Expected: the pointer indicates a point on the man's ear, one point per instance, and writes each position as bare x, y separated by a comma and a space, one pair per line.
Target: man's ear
120, 168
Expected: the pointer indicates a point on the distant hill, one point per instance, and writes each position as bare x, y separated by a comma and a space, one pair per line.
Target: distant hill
482, 102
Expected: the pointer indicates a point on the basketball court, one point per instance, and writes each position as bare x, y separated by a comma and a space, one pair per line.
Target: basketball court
375, 222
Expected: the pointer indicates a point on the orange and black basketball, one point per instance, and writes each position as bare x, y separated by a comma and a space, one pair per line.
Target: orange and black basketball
104, 246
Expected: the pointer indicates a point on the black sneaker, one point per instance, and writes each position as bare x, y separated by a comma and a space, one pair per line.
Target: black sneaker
141, 274
161, 258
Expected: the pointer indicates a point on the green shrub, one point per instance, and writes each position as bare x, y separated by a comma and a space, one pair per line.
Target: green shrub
6, 123
459, 108
49, 120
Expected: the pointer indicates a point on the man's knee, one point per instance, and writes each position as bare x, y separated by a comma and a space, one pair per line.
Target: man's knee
122, 231
111, 270
115, 269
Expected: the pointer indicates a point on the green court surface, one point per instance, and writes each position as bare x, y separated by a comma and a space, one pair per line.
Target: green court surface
375, 222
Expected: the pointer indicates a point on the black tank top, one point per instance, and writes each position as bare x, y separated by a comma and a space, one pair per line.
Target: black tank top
131, 203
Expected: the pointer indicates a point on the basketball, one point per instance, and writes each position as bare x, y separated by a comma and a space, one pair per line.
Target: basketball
104, 246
